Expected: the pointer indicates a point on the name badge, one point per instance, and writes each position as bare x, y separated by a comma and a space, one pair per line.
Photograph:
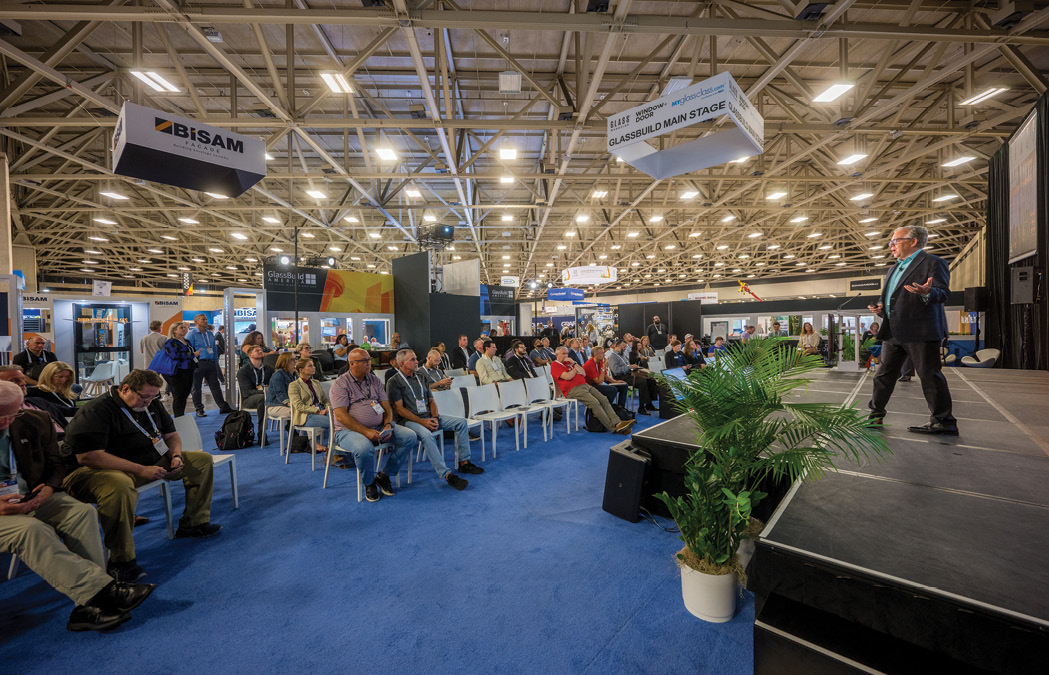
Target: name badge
378, 408
420, 407
160, 446
9, 488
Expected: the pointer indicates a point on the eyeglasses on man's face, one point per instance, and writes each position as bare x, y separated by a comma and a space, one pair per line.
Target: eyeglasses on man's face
360, 360
144, 397
897, 240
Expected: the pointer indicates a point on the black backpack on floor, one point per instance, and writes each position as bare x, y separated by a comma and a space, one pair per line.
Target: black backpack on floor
238, 431
593, 425
623, 413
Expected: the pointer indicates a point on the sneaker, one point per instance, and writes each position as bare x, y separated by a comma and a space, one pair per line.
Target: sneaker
456, 482
624, 427
201, 413
371, 492
384, 484
202, 531
470, 467
127, 572
95, 618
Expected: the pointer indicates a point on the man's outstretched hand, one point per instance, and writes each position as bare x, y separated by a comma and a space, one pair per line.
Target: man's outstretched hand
920, 289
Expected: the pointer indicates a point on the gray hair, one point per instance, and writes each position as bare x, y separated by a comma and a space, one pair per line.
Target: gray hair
10, 395
919, 232
402, 356
11, 367
560, 349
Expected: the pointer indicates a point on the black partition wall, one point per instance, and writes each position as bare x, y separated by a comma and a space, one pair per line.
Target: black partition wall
680, 318
424, 318
1020, 331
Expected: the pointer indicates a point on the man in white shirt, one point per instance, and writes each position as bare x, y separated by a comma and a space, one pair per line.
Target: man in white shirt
490, 367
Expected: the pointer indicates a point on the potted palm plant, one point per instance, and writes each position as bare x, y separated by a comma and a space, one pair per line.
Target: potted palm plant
748, 431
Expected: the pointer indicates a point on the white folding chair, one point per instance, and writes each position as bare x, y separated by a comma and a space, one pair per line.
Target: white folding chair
333, 448
450, 403
189, 432
311, 434
513, 396
538, 391
165, 492
276, 415
558, 397
455, 372
439, 436
464, 381
485, 406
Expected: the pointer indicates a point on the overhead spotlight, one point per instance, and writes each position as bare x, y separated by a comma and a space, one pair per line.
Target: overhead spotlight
284, 260
331, 261
507, 153
337, 83
155, 81
983, 96
833, 92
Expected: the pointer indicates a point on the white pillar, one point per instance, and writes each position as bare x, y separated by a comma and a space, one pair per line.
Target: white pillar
6, 254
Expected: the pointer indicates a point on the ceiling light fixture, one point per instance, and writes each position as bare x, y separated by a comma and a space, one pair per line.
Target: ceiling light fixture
337, 83
189, 221
960, 160
983, 96
832, 92
216, 195
386, 154
113, 195
155, 81
316, 194
861, 196
507, 153
599, 194
946, 197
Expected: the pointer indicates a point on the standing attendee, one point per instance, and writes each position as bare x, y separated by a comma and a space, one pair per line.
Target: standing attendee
53, 533
363, 418
776, 330
121, 441
571, 380
203, 342
657, 333
252, 379
414, 408
519, 365
180, 383
748, 332
33, 358
914, 324
550, 333
446, 363
541, 353
152, 343
490, 367
592, 334
220, 340
597, 376
809, 340
461, 353
619, 367
309, 404
339, 351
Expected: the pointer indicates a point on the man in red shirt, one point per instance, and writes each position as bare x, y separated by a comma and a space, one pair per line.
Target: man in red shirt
597, 375
571, 378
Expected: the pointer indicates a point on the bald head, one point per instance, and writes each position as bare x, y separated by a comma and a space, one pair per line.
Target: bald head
360, 363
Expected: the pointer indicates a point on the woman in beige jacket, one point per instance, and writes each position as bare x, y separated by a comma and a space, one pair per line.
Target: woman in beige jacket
309, 404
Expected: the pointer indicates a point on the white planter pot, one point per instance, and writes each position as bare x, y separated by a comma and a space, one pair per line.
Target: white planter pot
711, 597
745, 552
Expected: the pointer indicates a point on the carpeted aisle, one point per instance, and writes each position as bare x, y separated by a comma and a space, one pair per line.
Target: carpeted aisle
520, 573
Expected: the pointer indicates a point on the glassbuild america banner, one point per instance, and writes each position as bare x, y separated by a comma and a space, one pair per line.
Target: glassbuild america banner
321, 290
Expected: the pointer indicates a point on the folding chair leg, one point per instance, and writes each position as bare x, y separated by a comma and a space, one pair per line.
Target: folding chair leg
233, 481
165, 488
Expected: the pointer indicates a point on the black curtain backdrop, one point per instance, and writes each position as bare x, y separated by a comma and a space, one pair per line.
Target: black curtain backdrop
1020, 331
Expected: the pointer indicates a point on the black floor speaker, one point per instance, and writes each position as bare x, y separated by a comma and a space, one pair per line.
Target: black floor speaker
624, 481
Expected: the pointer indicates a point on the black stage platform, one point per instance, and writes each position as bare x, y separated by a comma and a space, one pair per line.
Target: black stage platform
935, 560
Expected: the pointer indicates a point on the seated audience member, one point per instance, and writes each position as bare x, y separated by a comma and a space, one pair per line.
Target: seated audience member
11, 373
809, 340
628, 339
252, 379
519, 365
576, 351
490, 367
414, 407
675, 358
478, 352
621, 369
642, 352
50, 531
693, 355
397, 343
597, 376
308, 402
432, 372
461, 353
250, 340
54, 392
571, 380
33, 358
718, 346
446, 363
125, 439
277, 399
305, 351
363, 418
776, 330
748, 333
541, 353
339, 351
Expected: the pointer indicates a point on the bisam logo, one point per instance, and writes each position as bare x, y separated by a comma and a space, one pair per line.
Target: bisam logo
200, 135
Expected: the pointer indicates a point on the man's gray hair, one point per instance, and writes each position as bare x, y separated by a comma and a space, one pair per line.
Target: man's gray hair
402, 356
560, 349
919, 232
10, 395
11, 367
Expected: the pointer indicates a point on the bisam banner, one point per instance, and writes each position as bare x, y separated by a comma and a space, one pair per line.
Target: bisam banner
629, 131
322, 290
164, 148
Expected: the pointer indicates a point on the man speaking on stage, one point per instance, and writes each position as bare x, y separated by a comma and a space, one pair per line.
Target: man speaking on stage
914, 325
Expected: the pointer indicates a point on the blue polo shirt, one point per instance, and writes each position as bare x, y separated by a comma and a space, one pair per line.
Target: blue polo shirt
894, 278
205, 342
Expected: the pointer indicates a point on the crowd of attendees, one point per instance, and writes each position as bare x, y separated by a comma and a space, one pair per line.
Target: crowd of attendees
58, 458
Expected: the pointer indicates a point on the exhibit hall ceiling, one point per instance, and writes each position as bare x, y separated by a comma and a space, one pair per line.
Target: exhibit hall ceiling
383, 118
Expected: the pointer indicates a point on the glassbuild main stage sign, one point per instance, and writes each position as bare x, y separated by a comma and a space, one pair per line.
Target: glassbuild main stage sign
324, 290
629, 131
165, 148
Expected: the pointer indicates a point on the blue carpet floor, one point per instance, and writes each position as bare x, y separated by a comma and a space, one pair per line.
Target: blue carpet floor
520, 573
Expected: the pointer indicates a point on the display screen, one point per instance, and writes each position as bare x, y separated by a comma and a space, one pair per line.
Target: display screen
1023, 190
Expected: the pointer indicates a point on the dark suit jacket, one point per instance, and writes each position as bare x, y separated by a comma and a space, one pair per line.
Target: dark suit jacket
913, 319
459, 359
36, 449
520, 368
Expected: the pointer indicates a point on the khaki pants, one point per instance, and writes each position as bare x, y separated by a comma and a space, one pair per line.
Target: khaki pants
59, 541
593, 399
115, 494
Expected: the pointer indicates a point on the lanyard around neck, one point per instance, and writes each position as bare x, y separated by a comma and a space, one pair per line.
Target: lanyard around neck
416, 378
156, 431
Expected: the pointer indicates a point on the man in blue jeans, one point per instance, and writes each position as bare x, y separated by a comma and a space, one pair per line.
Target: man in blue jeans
205, 347
363, 418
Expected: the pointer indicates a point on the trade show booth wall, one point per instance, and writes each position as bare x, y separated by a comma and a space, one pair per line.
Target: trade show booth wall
681, 318
424, 318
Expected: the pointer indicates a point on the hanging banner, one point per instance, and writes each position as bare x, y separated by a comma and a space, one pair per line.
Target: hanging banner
101, 287
558, 294
322, 290
513, 282
166, 312
497, 301
705, 298
629, 131
591, 274
158, 146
